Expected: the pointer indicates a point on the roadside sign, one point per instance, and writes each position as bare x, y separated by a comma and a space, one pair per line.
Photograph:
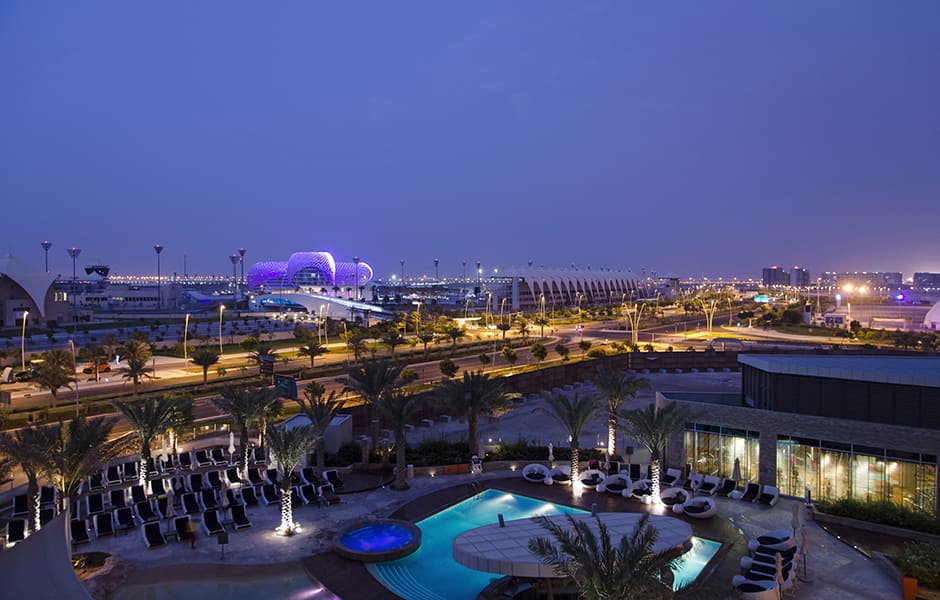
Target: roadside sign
266, 365
286, 386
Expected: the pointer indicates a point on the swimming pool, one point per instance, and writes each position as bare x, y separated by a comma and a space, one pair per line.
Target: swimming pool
431, 573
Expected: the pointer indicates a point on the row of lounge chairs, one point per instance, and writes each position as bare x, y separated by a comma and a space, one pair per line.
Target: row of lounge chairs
758, 494
47, 497
761, 580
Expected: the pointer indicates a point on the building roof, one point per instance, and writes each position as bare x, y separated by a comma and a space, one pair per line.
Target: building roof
902, 370
35, 283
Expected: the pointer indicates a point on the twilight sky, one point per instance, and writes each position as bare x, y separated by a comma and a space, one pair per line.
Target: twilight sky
685, 137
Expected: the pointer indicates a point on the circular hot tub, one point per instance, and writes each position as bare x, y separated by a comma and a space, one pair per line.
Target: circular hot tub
378, 541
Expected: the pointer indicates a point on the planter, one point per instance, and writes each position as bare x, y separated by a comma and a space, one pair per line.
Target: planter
910, 588
909, 534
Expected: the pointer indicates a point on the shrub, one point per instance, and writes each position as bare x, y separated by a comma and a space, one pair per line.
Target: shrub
921, 561
439, 452
596, 353
880, 511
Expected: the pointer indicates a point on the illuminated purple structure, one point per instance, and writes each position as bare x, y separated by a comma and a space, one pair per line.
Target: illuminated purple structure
309, 269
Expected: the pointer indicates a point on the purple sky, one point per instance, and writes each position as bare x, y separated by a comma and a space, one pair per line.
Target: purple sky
692, 138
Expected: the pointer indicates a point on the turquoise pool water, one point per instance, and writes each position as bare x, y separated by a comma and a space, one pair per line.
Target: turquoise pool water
431, 573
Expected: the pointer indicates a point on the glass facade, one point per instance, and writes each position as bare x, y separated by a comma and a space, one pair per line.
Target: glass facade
832, 471
712, 450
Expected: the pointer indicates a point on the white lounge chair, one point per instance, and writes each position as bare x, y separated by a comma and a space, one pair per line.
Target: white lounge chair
560, 474
615, 484
674, 496
591, 478
769, 495
702, 507
755, 590
709, 485
535, 473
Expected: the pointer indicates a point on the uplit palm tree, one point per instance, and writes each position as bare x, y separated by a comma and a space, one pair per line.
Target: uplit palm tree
149, 419
288, 447
572, 412
653, 427
471, 396
79, 449
603, 569
371, 380
137, 354
321, 411
313, 350
397, 406
614, 387
246, 406
204, 357
28, 448
56, 371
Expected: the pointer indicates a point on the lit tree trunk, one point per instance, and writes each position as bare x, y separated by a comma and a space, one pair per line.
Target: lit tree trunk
612, 435
575, 463
654, 478
32, 492
401, 481
374, 422
287, 509
144, 455
245, 448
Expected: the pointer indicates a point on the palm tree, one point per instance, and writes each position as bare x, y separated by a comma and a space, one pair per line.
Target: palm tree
78, 449
471, 396
614, 386
246, 406
288, 447
205, 357
653, 427
263, 353
454, 333
56, 371
149, 419
371, 379
28, 448
397, 406
181, 421
137, 354
321, 412
393, 338
572, 413
583, 550
312, 349
96, 355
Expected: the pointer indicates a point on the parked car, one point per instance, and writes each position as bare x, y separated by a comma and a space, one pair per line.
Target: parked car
27, 375
102, 368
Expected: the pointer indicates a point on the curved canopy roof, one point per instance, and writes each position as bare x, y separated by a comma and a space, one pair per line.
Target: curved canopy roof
40, 567
35, 283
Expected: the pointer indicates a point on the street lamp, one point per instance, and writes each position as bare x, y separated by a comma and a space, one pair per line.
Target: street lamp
356, 262
402, 261
185, 337
23, 342
46, 244
465, 271
73, 253
479, 274
436, 262
221, 308
235, 258
158, 249
241, 261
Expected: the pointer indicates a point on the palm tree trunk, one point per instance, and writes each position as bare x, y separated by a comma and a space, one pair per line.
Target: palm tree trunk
612, 435
287, 509
244, 448
654, 478
144, 455
575, 463
321, 458
32, 493
374, 423
401, 481
472, 428
205, 375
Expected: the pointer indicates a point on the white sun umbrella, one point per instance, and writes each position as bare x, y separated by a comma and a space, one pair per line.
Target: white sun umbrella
804, 548
169, 508
692, 482
606, 461
736, 472
231, 443
163, 454
551, 452
223, 492
779, 575
795, 521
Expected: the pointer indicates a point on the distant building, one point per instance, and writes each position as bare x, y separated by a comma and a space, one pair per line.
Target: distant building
24, 289
775, 276
799, 277
871, 279
926, 280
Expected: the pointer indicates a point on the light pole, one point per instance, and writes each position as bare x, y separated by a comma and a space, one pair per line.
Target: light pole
479, 275
158, 249
402, 261
221, 308
73, 254
186, 337
23, 342
436, 276
356, 262
235, 258
465, 271
241, 261
46, 244
75, 374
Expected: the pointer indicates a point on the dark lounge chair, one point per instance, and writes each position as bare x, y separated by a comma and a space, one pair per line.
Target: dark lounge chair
295, 497
162, 503
130, 470
190, 504
270, 476
332, 476
709, 485
207, 500
203, 459
269, 494
218, 456
750, 492
104, 524
258, 457
194, 482
635, 472
211, 523
166, 466
215, 479
184, 460
138, 494
125, 518
145, 512
16, 531
113, 475
248, 496
96, 483
20, 505
310, 495
309, 475
152, 535
117, 499
239, 517
232, 476
151, 468
254, 476
233, 498
79, 531
94, 504
727, 486
181, 525
46, 515
157, 487
47, 495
